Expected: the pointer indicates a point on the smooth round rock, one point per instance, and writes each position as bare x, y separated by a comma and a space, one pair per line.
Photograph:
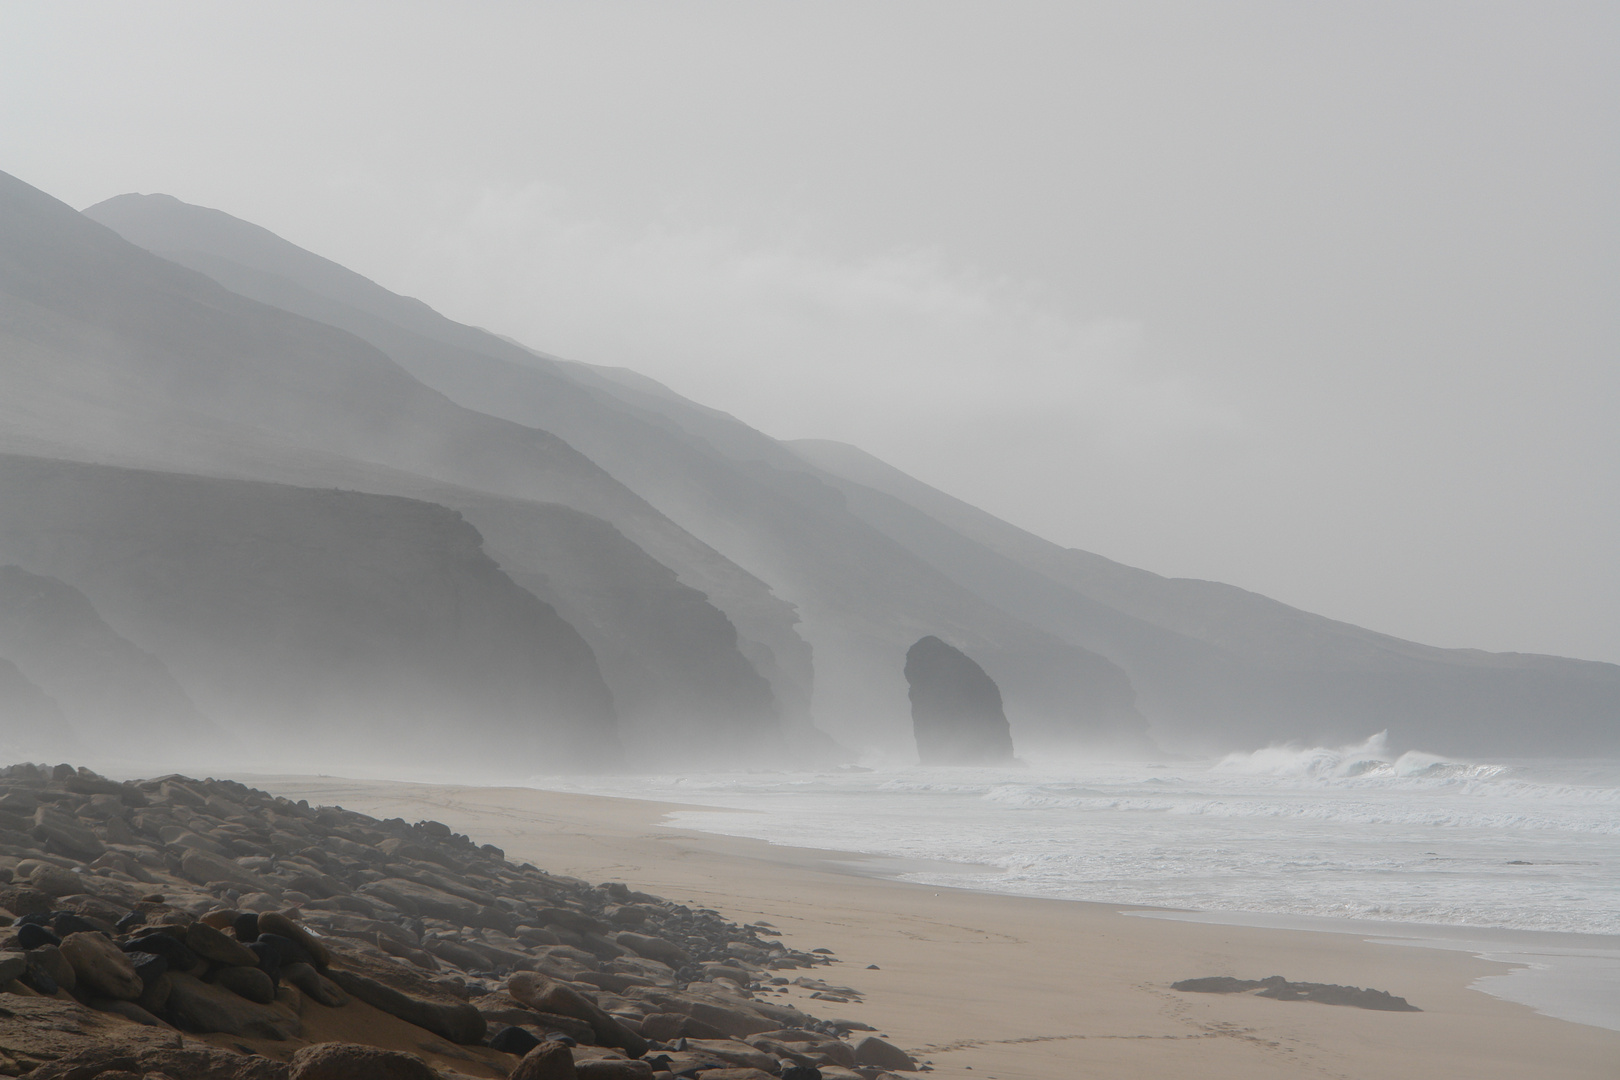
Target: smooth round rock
248, 982
351, 1061
171, 948
212, 944
513, 1040
548, 1061
32, 936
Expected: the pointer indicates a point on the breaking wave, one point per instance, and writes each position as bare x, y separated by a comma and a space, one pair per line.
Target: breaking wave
1353, 831
1369, 760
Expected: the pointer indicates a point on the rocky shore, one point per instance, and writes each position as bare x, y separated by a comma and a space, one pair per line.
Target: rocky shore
179, 928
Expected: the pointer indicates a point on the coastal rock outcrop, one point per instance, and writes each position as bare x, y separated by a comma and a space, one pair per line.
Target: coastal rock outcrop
108, 946
956, 709
1275, 986
317, 613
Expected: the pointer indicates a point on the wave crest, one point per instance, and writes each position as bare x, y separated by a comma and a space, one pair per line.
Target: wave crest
1368, 760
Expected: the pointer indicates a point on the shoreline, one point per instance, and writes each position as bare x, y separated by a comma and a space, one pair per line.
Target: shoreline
1025, 988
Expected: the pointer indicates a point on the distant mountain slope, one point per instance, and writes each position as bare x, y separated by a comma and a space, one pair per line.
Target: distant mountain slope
31, 724
462, 362
311, 621
113, 354
873, 559
863, 598
113, 693
1206, 655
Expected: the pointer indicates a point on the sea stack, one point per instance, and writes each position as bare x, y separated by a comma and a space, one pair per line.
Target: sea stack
956, 710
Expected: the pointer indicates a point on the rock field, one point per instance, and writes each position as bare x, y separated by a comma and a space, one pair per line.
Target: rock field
180, 929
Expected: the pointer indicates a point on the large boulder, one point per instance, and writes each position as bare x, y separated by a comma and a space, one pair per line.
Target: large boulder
956, 710
101, 967
203, 1007
453, 1020
352, 1061
548, 1061
874, 1052
549, 996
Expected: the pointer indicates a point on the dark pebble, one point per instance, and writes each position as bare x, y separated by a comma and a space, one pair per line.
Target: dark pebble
33, 935
149, 966
246, 927
67, 923
170, 948
513, 1040
288, 950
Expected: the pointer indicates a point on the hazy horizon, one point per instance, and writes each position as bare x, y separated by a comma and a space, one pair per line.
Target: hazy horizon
1317, 302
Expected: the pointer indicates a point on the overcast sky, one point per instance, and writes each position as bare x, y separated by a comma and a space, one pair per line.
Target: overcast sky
1317, 299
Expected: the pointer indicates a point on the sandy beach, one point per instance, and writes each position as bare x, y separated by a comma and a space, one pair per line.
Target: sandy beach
1011, 988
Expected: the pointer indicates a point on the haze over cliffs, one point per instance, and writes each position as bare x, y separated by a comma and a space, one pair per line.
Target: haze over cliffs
337, 509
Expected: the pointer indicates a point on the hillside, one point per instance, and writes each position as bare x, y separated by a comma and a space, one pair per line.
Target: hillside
304, 621
115, 355
862, 598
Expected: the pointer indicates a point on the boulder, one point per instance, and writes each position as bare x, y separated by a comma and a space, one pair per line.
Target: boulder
204, 1007
33, 936
171, 948
458, 1022
66, 836
48, 961
53, 1030
100, 967
211, 944
667, 1027
875, 1052
654, 948
739, 1054
273, 922
53, 880
548, 1061
956, 710
155, 997
313, 985
251, 983
548, 995
513, 1040
208, 1063
735, 1023
352, 1061
23, 900
203, 867
613, 1069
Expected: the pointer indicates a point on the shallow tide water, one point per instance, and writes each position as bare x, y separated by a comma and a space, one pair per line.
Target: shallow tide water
1348, 839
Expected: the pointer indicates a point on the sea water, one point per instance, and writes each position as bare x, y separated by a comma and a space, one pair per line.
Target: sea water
1320, 834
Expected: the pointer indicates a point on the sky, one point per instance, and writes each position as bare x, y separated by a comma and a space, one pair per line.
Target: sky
1316, 299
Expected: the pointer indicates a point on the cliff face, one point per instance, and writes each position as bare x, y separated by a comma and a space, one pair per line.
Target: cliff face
861, 596
305, 619
1217, 667
115, 355
112, 693
956, 708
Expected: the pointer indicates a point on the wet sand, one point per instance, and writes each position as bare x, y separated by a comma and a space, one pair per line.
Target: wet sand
1011, 988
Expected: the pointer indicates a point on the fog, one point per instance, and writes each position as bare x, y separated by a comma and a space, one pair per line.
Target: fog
1317, 301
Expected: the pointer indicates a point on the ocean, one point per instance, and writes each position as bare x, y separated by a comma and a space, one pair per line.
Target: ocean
1507, 858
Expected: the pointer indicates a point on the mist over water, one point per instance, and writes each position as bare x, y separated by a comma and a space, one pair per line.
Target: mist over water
1349, 832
